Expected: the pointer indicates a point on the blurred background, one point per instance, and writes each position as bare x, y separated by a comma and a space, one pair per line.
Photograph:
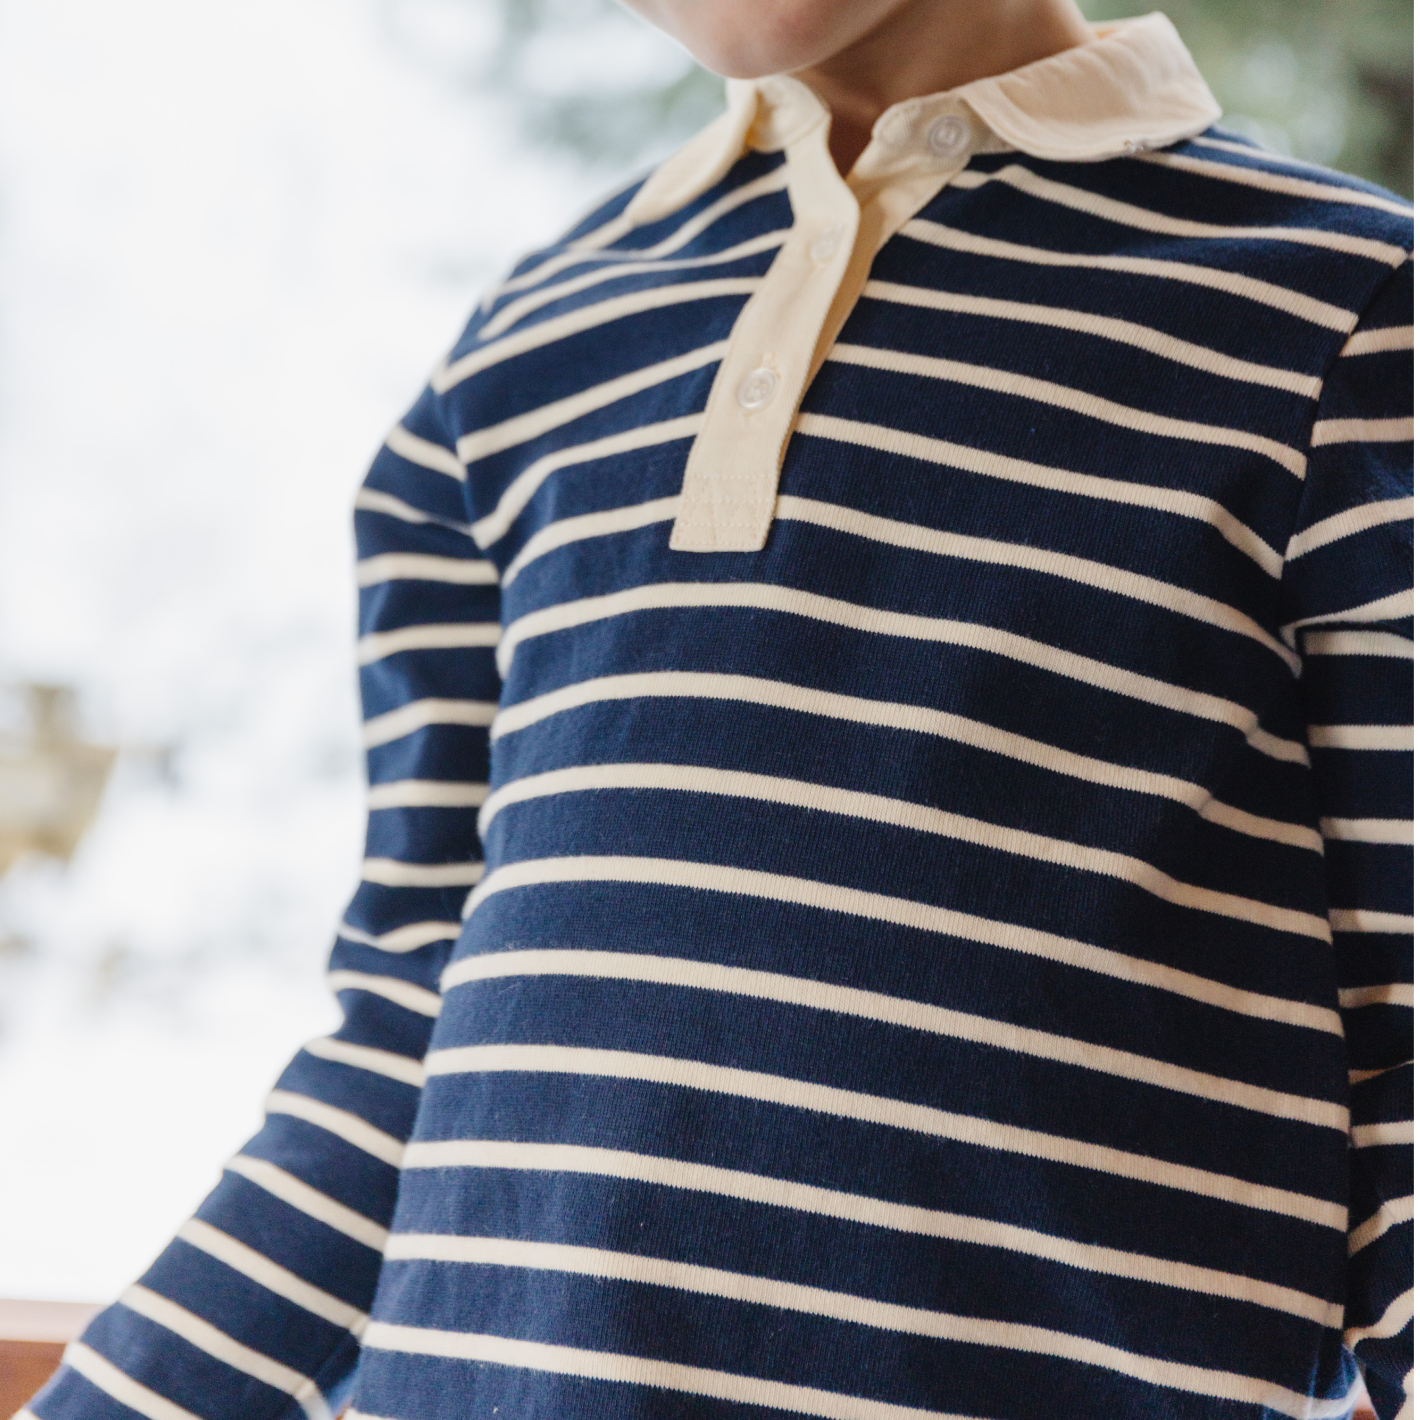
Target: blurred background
233, 239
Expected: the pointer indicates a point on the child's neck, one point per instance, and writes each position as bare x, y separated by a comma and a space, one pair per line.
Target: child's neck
929, 46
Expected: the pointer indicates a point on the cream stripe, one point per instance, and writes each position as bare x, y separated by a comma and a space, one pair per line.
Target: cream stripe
1261, 155
1377, 1136
1358, 919
585, 318
1265, 293
1359, 1077
108, 1378
218, 1344
1390, 993
391, 988
892, 1010
1387, 337
426, 794
1057, 480
609, 231
585, 248
520, 428
892, 1113
576, 529
1143, 337
1077, 401
420, 714
1100, 575
449, 635
390, 872
402, 939
1369, 830
1358, 643
371, 500
922, 539
310, 1201
917, 719
1390, 1214
340, 1122
1385, 737
1393, 1321
593, 245
1397, 604
1144, 219
774, 181
828, 897
856, 1208
876, 808
420, 567
1385, 608
364, 1057
838, 1306
515, 310
790, 600
1352, 520
1362, 431
275, 1278
519, 492
1276, 182
413, 449
635, 1370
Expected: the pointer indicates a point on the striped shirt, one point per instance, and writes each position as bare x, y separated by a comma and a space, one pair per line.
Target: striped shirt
924, 661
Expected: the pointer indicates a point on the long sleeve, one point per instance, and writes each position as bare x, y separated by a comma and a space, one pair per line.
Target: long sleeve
254, 1310
1348, 575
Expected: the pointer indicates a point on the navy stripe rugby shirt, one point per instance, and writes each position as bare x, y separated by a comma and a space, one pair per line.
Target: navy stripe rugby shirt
924, 660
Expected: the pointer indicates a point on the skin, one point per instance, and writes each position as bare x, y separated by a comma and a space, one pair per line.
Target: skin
863, 56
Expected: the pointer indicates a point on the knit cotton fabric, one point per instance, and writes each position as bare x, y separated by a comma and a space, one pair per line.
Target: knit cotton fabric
947, 963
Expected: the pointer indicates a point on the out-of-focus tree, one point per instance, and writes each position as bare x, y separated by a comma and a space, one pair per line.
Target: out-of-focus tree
50, 779
1328, 81
595, 79
584, 78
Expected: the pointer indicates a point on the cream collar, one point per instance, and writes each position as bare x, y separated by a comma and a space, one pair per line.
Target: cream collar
1133, 87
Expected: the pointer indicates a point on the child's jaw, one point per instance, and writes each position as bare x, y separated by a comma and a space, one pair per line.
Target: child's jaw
863, 56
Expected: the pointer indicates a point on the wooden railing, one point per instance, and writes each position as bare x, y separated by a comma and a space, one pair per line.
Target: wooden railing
33, 1336
32, 1339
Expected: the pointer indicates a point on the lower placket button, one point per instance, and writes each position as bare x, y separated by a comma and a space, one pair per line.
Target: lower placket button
757, 388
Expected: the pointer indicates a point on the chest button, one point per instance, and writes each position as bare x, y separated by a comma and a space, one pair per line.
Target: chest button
757, 388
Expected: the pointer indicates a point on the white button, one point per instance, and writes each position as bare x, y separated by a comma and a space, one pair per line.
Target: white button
826, 243
950, 136
758, 388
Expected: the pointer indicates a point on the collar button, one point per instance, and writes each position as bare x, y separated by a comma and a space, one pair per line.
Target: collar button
949, 136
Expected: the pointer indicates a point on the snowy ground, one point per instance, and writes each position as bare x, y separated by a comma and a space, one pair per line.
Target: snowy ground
233, 239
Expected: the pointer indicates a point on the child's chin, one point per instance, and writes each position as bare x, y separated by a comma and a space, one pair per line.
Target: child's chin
749, 39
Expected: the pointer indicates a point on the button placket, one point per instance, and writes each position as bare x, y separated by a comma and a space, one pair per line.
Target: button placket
786, 328
732, 475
